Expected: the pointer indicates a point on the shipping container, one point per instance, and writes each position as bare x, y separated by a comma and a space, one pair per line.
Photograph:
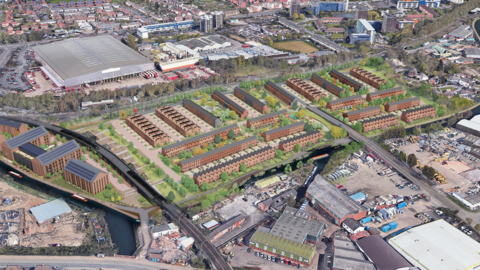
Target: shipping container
393, 225
365, 220
385, 228
402, 204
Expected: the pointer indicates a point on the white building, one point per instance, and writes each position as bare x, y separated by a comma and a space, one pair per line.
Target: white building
84, 26
142, 32
165, 229
352, 226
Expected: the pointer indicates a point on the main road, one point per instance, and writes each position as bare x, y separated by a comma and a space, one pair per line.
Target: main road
146, 190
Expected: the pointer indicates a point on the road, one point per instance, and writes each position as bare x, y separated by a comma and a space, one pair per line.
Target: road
147, 191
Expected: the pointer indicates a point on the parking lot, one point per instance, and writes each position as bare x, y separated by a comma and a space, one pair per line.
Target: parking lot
12, 77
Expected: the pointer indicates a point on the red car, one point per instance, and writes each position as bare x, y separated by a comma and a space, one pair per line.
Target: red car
340, 186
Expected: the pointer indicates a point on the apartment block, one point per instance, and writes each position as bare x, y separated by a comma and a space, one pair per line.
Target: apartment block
344, 103
367, 77
363, 113
305, 89
230, 103
218, 153
12, 127
251, 159
402, 104
202, 113
281, 93
55, 160
346, 80
251, 101
266, 119
383, 121
385, 93
284, 131
36, 136
289, 144
85, 176
330, 87
177, 120
147, 130
190, 143
413, 114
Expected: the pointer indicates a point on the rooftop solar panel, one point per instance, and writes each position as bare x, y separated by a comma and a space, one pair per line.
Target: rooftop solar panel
82, 170
58, 152
26, 137
10, 123
32, 150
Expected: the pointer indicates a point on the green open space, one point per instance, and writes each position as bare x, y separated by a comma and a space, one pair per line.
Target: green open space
295, 45
247, 70
164, 189
319, 118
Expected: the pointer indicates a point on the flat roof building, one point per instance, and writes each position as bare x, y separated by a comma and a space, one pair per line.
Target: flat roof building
85, 176
468, 127
48, 211
382, 254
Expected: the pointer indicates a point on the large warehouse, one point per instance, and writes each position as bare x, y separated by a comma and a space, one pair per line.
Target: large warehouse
80, 61
437, 245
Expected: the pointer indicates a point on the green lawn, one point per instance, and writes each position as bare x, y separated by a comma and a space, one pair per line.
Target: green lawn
250, 70
164, 189
336, 36
63, 183
347, 45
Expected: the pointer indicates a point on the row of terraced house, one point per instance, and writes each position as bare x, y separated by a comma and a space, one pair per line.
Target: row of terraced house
367, 77
177, 120
147, 130
305, 89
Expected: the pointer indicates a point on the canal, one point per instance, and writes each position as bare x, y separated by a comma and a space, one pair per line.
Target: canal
121, 227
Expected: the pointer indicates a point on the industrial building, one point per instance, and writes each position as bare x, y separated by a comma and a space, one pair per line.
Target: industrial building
178, 121
202, 113
229, 103
226, 227
281, 93
165, 27
362, 113
74, 62
190, 143
217, 153
413, 114
389, 24
289, 238
367, 77
469, 126
437, 245
327, 197
385, 93
330, 87
346, 80
284, 131
267, 119
288, 145
347, 257
382, 254
13, 128
383, 121
251, 101
345, 103
36, 137
50, 211
147, 130
279, 201
85, 176
402, 104
206, 43
55, 160
305, 89
161, 230
473, 53
463, 31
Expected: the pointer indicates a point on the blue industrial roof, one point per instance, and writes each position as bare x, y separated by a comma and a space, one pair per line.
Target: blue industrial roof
32, 150
50, 210
82, 170
26, 137
58, 152
358, 196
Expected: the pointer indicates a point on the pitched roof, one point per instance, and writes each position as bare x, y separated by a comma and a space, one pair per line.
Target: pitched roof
229, 101
250, 97
58, 152
294, 228
32, 149
327, 83
345, 99
229, 223
352, 223
386, 116
418, 109
50, 210
349, 113
385, 91
403, 101
199, 108
282, 90
82, 170
345, 76
383, 255
308, 133
192, 139
261, 117
26, 137
272, 131
9, 123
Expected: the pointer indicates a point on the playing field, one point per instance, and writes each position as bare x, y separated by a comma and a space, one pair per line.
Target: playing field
295, 46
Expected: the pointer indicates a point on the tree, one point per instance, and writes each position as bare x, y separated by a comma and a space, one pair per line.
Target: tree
297, 147
231, 134
280, 153
452, 120
294, 106
197, 151
171, 196
217, 139
243, 167
131, 42
224, 176
412, 160
204, 186
299, 164
49, 175
301, 113
336, 132
323, 103
295, 16
288, 169
302, 16
83, 158
233, 114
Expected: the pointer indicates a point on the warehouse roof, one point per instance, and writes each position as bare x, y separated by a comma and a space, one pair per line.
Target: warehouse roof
472, 52
403, 101
293, 228
204, 135
58, 152
229, 101
437, 245
250, 97
466, 123
80, 56
359, 85
462, 31
267, 182
332, 199
261, 117
382, 254
348, 257
82, 170
225, 226
345, 99
31, 149
283, 91
218, 150
199, 108
26, 137
385, 91
50, 210
349, 113
280, 129
9, 123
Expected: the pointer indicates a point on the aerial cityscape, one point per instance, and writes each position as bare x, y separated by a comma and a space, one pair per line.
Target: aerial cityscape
240, 134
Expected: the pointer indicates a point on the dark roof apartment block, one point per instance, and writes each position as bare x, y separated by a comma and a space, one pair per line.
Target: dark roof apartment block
229, 101
330, 87
9, 123
345, 79
212, 119
387, 92
82, 170
26, 137
401, 102
249, 97
198, 137
382, 117
340, 100
384, 256
261, 117
31, 149
351, 113
280, 129
283, 92
58, 152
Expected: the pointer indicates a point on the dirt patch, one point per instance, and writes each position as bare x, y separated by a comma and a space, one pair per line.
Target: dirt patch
296, 45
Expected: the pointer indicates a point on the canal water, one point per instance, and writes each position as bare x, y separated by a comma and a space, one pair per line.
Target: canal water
477, 26
121, 227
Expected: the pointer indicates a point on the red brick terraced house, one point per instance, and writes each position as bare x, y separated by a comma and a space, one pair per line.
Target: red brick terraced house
402, 104
253, 158
381, 122
147, 130
385, 93
411, 115
202, 113
177, 120
266, 119
289, 144
197, 141
330, 87
218, 153
12, 127
284, 131
345, 79
344, 103
251, 101
281, 93
305, 89
367, 77
363, 113
229, 103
